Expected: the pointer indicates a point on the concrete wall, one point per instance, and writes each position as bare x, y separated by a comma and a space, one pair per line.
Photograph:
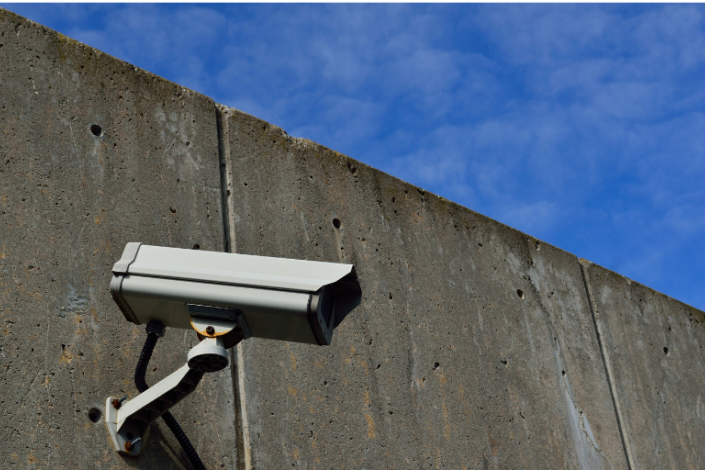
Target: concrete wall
476, 346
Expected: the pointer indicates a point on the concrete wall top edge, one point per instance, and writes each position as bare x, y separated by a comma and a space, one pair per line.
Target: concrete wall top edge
448, 205
70, 45
638, 285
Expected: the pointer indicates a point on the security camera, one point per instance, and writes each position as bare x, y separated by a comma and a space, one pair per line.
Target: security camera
273, 298
225, 298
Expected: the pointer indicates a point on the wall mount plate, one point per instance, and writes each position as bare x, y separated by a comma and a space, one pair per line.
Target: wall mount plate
120, 439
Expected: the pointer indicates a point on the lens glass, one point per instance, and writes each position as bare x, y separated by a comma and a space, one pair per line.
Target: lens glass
325, 305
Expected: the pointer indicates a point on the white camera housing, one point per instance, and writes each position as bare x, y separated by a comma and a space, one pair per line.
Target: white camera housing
274, 298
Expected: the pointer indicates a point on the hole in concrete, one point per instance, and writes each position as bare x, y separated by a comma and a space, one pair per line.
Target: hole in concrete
336, 223
520, 293
665, 350
94, 414
196, 246
96, 130
436, 366
538, 245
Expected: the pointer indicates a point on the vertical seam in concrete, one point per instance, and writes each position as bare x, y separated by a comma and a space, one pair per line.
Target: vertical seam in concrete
607, 364
226, 178
242, 402
237, 360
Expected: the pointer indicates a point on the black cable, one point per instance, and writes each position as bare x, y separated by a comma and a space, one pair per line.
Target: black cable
141, 384
143, 361
183, 440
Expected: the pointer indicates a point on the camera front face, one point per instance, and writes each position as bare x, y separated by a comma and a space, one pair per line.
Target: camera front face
322, 314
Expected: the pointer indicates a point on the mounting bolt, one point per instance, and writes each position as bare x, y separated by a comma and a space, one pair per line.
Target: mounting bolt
129, 445
210, 330
117, 403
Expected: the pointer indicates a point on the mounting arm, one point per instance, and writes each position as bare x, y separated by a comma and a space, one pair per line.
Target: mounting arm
128, 422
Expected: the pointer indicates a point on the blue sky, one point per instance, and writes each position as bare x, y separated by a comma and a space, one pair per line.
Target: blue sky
582, 125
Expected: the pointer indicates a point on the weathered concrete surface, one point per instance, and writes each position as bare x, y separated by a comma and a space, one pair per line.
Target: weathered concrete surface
70, 200
474, 346
654, 347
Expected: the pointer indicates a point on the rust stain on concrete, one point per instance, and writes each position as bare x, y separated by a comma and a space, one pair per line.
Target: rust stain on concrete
493, 444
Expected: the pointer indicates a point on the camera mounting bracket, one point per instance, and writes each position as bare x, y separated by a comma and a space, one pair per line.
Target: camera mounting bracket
128, 421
